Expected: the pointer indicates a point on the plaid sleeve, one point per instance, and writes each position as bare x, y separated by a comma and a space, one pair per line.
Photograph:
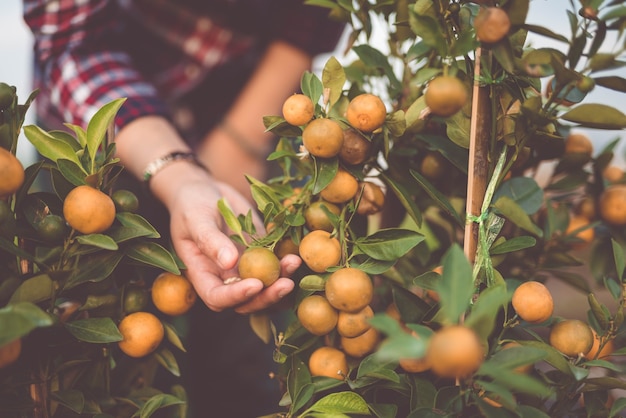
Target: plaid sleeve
79, 66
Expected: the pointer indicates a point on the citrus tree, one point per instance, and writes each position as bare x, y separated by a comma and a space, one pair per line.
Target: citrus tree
87, 293
410, 186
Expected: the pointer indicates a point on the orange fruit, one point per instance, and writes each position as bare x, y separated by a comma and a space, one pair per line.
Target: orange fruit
362, 345
316, 218
343, 187
571, 337
319, 250
595, 351
330, 362
454, 351
578, 143
355, 149
366, 112
259, 263
173, 294
371, 200
533, 302
613, 174
286, 246
414, 365
10, 352
586, 208
125, 201
298, 109
353, 324
88, 210
576, 222
11, 173
142, 332
52, 228
433, 166
317, 315
491, 24
322, 137
612, 205
349, 289
445, 95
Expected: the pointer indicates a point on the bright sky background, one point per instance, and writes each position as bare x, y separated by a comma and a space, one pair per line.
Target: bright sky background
16, 41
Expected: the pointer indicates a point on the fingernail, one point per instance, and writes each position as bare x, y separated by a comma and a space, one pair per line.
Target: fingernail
283, 293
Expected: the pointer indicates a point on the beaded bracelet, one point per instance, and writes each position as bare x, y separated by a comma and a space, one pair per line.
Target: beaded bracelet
162, 162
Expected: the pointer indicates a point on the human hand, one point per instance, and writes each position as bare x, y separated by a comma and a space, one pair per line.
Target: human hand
200, 239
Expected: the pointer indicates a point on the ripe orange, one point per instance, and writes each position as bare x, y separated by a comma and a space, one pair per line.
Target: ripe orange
298, 109
571, 337
355, 148
414, 365
316, 218
578, 143
319, 250
533, 302
349, 289
586, 208
433, 166
343, 187
595, 351
362, 345
445, 95
322, 137
173, 294
612, 205
317, 315
372, 199
286, 246
491, 24
330, 362
11, 173
454, 351
353, 324
125, 201
142, 333
613, 174
366, 112
88, 210
10, 352
576, 222
259, 263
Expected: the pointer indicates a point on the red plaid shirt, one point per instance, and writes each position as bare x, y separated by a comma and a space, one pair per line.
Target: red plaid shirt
90, 52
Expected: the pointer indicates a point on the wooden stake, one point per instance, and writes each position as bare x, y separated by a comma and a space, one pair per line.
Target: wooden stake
478, 165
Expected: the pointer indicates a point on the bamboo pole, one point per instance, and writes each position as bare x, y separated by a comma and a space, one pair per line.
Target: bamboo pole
478, 164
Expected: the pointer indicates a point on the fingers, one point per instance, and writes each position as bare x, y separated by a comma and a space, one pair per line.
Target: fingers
267, 297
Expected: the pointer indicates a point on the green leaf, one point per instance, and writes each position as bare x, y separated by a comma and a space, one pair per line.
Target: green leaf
458, 129
612, 82
95, 268
540, 30
153, 254
325, 171
513, 244
341, 403
19, 319
618, 255
156, 402
388, 244
35, 289
50, 147
596, 115
71, 398
508, 208
311, 86
438, 197
489, 303
456, 287
404, 197
94, 330
333, 78
98, 126
137, 222
229, 216
312, 282
429, 30
372, 57
74, 173
80, 134
166, 359
172, 336
98, 240
524, 191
